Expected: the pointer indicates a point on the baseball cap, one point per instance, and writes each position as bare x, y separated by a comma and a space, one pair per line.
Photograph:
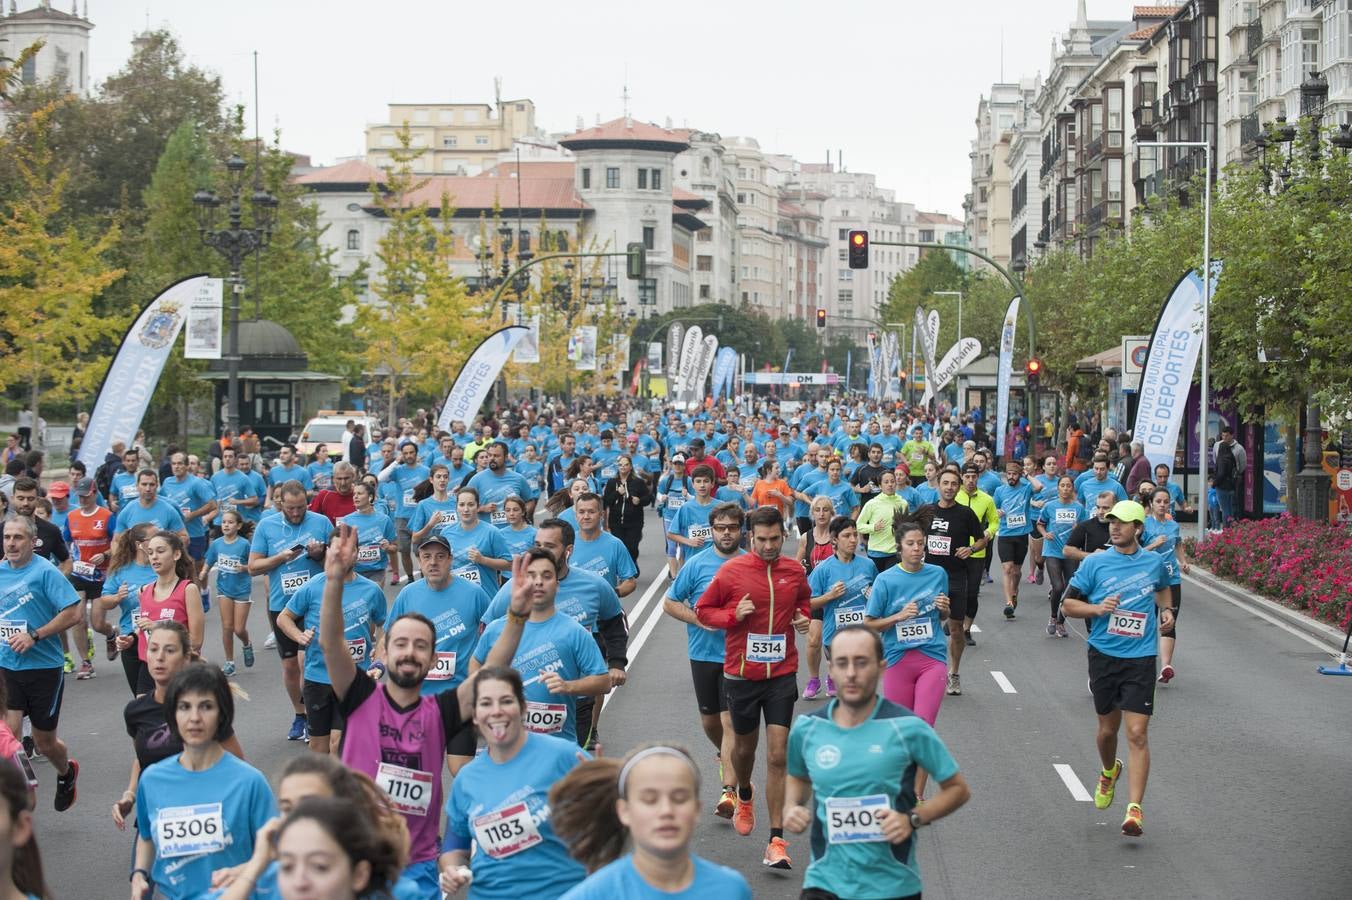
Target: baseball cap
84, 487
678, 458
1127, 511
58, 489
439, 541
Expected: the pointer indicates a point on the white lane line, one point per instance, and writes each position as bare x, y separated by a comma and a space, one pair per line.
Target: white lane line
637, 612
1005, 684
637, 644
642, 633
976, 628
1072, 783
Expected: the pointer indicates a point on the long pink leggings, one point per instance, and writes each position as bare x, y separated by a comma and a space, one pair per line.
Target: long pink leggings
917, 682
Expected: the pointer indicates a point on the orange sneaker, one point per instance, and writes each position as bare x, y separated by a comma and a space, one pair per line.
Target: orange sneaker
1134, 824
776, 856
727, 804
744, 818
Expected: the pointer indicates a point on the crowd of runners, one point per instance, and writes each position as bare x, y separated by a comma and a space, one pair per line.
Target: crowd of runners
447, 609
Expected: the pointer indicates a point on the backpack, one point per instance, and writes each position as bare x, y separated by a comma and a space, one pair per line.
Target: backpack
1227, 467
1084, 449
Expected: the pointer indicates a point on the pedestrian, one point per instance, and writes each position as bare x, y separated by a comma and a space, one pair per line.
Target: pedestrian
624, 497
1231, 463
1162, 535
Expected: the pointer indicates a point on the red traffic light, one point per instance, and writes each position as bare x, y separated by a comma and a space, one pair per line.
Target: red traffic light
821, 318
858, 237
1034, 366
858, 255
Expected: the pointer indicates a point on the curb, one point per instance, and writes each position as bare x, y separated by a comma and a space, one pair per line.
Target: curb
1324, 633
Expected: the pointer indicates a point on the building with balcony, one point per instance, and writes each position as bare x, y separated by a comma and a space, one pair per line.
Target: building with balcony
705, 171
1241, 36
1025, 191
456, 138
761, 253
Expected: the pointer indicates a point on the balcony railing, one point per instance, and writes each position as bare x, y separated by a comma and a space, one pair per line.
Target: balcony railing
1254, 39
1093, 151
1248, 128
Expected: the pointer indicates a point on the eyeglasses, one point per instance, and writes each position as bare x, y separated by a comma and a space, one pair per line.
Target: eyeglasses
724, 527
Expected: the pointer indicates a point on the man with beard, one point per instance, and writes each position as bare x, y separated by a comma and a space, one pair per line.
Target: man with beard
496, 483
395, 733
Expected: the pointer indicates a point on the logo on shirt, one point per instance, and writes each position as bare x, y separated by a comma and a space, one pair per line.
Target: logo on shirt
875, 748
828, 756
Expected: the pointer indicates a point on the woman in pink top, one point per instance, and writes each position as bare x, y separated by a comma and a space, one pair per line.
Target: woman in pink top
171, 596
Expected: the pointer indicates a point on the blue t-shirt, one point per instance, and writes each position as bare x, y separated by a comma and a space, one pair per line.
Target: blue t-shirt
1130, 631
487, 540
1088, 490
842, 496
190, 494
1058, 521
801, 480
702, 645
200, 821
275, 534
162, 513
605, 463
1169, 530
406, 478
373, 532
851, 770
519, 542
260, 490
583, 596
741, 495
1176, 497
1016, 502
606, 557
457, 612
497, 488
428, 508
232, 567
363, 606
30, 597
135, 576
988, 481
493, 804
533, 472
123, 487
677, 491
280, 474
621, 879
849, 609
692, 521
925, 494
895, 588
231, 488
321, 475
560, 645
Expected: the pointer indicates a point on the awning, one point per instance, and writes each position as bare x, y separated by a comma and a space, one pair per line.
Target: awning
1109, 362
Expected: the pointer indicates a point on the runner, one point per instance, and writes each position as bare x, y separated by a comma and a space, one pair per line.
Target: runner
652, 800
624, 497
173, 595
229, 555
690, 526
234, 488
1044, 481
1161, 534
598, 552
334, 500
128, 571
842, 496
812, 468
496, 483
756, 599
480, 550
88, 532
404, 476
875, 522
376, 538
328, 844
952, 534
519, 534
122, 488
1056, 520
841, 585
498, 829
195, 500
148, 507
1096, 480
673, 490
816, 547
1013, 506
983, 507
37, 603
395, 733
20, 862
1124, 592
855, 760
1091, 535
705, 645
288, 469
288, 548
433, 512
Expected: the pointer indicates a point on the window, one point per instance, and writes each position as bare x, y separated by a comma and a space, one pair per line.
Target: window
420, 115
521, 107
642, 179
927, 235
657, 179
481, 140
843, 254
704, 235
741, 198
843, 235
449, 141
1114, 116
612, 177
845, 275
845, 298
469, 115
387, 140
586, 179
353, 239
446, 115
704, 263
704, 292
649, 236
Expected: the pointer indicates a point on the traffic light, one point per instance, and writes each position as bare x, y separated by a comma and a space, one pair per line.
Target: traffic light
858, 249
636, 262
821, 317
1033, 373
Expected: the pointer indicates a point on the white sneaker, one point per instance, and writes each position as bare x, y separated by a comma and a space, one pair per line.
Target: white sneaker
271, 642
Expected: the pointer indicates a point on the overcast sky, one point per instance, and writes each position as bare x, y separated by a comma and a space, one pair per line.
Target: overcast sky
893, 84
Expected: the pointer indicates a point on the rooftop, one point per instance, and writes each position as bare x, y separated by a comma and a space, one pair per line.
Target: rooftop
628, 131
352, 172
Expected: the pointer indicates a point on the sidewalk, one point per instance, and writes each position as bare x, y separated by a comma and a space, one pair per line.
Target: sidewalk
1322, 632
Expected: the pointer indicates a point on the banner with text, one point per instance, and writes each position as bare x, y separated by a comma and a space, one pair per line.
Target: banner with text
125, 393
202, 329
1004, 373
477, 375
725, 370
1167, 376
528, 349
959, 356
690, 351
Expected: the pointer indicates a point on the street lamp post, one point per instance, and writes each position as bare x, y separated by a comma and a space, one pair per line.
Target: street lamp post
1205, 391
235, 243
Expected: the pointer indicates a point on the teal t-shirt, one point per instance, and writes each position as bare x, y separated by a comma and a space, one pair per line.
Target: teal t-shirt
1132, 630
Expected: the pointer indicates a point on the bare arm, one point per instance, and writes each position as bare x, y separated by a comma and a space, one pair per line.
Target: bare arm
197, 619
341, 556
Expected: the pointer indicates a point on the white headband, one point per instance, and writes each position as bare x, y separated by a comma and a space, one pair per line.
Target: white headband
653, 751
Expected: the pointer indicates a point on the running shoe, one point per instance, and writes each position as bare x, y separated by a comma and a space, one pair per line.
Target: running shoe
1107, 784
248, 656
777, 857
1132, 825
298, 729
813, 689
1037, 579
1061, 630
228, 667
29, 748
1009, 611
744, 817
830, 687
727, 803
971, 641
86, 670
271, 642
986, 579
111, 647
1166, 674
954, 685
1051, 627
65, 787
69, 665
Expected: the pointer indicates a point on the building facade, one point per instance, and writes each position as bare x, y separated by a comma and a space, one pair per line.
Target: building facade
456, 138
64, 57
988, 209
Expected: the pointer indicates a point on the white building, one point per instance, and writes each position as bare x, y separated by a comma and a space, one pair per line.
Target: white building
705, 171
988, 208
65, 54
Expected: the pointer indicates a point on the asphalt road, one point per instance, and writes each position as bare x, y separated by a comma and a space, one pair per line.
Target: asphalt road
1248, 795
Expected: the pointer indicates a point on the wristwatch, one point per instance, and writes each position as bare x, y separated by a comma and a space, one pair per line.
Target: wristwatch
33, 635
916, 821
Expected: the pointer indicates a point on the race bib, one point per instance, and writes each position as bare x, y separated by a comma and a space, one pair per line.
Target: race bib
10, 627
129, 492
765, 648
292, 581
189, 830
675, 502
84, 570
498, 516
368, 553
1065, 517
849, 617
608, 472
470, 574
1016, 520
409, 790
356, 648
408, 497
507, 831
938, 544
545, 718
701, 533
915, 631
855, 820
228, 565
1128, 624
444, 668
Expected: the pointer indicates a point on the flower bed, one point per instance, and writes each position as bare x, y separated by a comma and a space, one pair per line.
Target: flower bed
1301, 564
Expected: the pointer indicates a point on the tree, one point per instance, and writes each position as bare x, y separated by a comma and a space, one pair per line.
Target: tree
11, 69
49, 278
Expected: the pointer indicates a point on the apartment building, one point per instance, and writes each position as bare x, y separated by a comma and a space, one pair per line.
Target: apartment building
988, 209
456, 138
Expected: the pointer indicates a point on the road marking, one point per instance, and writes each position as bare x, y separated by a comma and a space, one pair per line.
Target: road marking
637, 613
1072, 783
1005, 684
976, 628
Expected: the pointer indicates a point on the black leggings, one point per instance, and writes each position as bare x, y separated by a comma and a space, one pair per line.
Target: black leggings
131, 667
883, 563
631, 538
1176, 594
975, 568
1060, 577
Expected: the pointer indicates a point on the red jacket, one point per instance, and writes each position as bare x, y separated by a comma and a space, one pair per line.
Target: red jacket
333, 505
780, 592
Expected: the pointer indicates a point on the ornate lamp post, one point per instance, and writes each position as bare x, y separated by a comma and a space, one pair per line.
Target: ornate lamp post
235, 242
